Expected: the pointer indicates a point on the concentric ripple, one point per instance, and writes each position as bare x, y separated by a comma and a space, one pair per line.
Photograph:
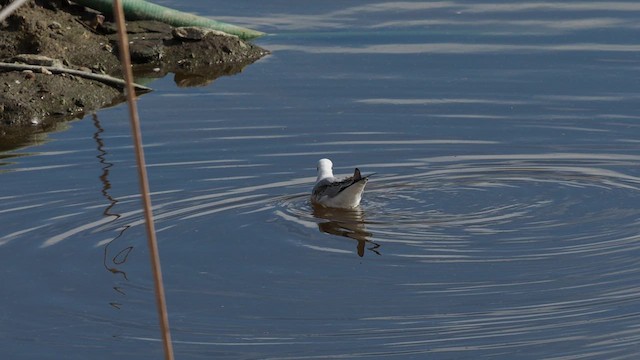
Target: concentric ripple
447, 208
459, 208
479, 255
509, 254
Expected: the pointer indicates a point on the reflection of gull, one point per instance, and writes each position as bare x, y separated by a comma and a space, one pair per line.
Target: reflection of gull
348, 223
334, 193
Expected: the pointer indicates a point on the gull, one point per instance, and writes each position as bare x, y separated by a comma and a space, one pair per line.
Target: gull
331, 192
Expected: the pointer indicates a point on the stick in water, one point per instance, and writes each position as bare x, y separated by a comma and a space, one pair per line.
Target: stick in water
123, 43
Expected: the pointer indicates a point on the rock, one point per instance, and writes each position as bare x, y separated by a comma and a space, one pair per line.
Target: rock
195, 33
28, 74
97, 21
54, 25
145, 52
33, 59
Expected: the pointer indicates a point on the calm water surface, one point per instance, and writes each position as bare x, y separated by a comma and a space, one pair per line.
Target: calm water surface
503, 221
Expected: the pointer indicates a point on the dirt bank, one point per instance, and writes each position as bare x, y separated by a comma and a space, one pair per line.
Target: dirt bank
47, 39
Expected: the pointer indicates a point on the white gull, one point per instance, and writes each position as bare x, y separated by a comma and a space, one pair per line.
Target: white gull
331, 192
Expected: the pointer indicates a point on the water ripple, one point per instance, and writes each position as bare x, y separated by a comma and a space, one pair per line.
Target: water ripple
536, 203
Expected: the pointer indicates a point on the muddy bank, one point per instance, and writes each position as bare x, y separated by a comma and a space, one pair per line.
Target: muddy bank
50, 38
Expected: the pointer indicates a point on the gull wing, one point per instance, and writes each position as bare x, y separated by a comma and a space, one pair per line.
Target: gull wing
331, 187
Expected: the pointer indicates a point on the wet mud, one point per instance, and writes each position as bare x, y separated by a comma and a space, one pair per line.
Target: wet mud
59, 61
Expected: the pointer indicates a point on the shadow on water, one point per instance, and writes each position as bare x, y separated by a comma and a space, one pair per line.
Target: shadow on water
110, 262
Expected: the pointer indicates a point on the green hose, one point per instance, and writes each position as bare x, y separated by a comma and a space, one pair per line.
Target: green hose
142, 10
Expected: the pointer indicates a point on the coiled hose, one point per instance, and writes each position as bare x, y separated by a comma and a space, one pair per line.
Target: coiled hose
142, 10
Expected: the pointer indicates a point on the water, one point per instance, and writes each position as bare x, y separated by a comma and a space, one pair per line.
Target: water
502, 222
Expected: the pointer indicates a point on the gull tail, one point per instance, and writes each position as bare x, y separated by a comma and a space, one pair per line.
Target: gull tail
357, 176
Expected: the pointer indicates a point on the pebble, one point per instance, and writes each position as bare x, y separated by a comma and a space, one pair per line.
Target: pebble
28, 74
54, 25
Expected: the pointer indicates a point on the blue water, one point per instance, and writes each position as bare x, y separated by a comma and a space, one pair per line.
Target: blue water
502, 222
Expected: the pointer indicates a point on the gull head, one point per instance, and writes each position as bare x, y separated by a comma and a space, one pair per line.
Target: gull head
325, 169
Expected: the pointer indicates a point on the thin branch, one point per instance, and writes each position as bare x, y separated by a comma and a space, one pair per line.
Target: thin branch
105, 79
7, 10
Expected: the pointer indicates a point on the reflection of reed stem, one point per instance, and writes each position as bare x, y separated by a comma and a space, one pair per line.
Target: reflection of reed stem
104, 178
106, 185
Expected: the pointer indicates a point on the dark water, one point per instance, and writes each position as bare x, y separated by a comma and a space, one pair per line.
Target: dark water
503, 221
